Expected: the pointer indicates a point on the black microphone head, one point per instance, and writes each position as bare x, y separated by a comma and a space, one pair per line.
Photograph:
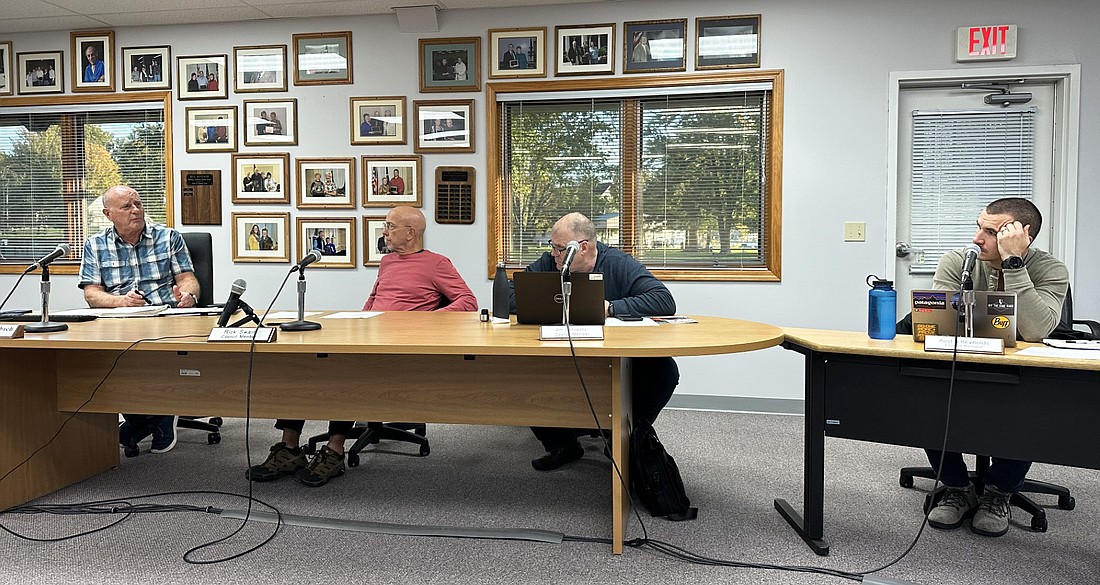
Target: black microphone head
573, 244
316, 254
972, 247
65, 249
238, 286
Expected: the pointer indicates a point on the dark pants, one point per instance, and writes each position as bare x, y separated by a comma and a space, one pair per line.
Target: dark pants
652, 385
335, 427
140, 421
1007, 475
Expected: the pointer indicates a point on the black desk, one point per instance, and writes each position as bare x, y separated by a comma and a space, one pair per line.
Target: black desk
894, 392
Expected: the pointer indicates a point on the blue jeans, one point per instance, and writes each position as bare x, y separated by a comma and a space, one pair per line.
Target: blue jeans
1007, 475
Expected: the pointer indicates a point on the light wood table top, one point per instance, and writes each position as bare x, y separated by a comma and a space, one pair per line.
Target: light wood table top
403, 332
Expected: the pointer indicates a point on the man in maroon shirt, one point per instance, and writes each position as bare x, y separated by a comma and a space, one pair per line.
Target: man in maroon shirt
410, 278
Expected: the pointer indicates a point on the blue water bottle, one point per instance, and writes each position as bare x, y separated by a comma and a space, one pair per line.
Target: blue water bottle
882, 308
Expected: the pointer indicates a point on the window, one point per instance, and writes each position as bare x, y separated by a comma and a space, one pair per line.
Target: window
682, 172
962, 160
58, 156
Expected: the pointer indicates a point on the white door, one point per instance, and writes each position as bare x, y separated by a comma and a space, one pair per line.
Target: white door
953, 98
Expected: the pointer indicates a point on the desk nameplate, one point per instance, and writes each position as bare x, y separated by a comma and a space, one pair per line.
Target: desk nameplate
11, 331
995, 346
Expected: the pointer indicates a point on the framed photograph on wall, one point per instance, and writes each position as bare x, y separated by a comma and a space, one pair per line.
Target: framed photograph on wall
585, 50
374, 243
389, 181
725, 42
6, 87
261, 237
655, 45
261, 178
322, 58
450, 64
517, 52
40, 72
271, 122
211, 129
145, 68
444, 126
259, 68
326, 183
93, 60
333, 236
202, 77
378, 120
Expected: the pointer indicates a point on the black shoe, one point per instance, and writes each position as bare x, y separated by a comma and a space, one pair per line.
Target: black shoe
558, 457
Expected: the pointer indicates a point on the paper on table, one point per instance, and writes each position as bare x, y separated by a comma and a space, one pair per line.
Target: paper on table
353, 315
645, 322
193, 311
1041, 351
142, 311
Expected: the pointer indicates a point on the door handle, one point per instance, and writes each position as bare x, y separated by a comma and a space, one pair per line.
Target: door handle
904, 250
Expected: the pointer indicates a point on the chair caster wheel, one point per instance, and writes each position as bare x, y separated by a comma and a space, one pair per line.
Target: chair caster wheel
1039, 524
309, 449
216, 421
353, 460
1067, 503
130, 450
214, 438
425, 450
905, 481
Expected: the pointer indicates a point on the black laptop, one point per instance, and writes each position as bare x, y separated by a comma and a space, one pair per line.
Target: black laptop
539, 298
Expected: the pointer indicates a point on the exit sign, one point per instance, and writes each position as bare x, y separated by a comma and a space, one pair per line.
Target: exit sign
994, 42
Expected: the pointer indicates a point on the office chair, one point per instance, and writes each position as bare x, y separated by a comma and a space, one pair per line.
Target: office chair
1064, 330
373, 432
201, 248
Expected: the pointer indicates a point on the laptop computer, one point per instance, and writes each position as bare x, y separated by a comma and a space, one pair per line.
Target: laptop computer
935, 313
538, 298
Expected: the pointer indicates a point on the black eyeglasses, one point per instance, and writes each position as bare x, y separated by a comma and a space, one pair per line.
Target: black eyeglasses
391, 226
560, 249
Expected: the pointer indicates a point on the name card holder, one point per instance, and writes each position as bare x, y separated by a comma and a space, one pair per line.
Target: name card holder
244, 334
946, 343
576, 332
11, 331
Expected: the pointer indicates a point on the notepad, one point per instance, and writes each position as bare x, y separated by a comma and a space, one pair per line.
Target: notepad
118, 312
1073, 343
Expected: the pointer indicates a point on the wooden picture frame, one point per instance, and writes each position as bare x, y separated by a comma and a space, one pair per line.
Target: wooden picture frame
337, 231
274, 174
374, 243
93, 60
261, 237
516, 53
727, 42
378, 120
202, 77
259, 68
389, 181
211, 129
6, 87
585, 50
146, 68
651, 46
444, 126
322, 58
271, 122
40, 72
450, 65
325, 183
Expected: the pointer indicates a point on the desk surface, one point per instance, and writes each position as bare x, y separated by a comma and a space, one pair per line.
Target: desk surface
903, 346
438, 333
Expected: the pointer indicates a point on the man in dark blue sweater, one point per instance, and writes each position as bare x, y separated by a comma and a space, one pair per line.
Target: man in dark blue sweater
629, 289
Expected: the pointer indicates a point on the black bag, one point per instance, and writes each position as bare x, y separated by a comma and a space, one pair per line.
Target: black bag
654, 477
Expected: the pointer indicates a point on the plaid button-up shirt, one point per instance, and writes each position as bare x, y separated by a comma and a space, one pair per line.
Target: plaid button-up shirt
150, 266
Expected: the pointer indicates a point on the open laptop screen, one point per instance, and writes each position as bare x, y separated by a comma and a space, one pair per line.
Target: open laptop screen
935, 312
539, 299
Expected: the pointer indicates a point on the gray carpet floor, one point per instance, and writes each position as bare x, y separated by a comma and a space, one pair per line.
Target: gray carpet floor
733, 465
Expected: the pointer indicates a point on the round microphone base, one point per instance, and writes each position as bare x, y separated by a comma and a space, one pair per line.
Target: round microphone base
47, 327
299, 326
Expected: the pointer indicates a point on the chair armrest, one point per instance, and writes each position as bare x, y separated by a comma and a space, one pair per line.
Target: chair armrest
1094, 327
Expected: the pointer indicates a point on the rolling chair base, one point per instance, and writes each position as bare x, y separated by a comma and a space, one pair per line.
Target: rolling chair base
373, 432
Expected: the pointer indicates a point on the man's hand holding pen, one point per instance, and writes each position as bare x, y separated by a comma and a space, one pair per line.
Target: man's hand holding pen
134, 298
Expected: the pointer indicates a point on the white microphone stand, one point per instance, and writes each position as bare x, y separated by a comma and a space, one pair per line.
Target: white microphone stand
301, 324
45, 326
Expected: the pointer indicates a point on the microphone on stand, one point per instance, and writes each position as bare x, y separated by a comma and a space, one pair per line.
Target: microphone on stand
313, 256
300, 324
571, 250
970, 260
234, 301
59, 251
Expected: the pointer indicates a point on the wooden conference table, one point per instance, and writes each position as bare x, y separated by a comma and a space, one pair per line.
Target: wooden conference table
427, 367
1030, 408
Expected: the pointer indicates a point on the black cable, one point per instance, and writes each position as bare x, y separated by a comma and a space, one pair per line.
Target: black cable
12, 291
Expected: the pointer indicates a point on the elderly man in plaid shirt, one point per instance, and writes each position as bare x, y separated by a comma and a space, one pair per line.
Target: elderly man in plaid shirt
134, 263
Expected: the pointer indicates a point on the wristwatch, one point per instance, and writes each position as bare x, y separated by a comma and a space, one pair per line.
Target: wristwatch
610, 309
1012, 263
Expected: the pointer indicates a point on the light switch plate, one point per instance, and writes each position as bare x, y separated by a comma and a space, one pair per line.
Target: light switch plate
855, 231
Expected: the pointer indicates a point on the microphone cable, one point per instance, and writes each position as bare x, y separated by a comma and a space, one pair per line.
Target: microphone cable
12, 291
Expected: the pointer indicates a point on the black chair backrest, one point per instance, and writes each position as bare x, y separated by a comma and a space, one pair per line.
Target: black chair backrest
1065, 329
201, 248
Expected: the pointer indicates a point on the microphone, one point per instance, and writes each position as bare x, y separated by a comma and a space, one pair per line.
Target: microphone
59, 251
233, 302
313, 256
970, 260
571, 250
